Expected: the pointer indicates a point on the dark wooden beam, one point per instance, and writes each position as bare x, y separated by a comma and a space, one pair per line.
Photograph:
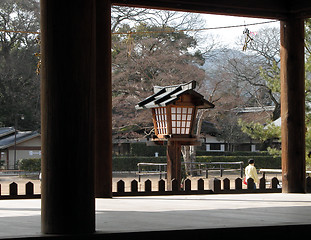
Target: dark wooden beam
277, 9
300, 8
293, 105
68, 77
103, 104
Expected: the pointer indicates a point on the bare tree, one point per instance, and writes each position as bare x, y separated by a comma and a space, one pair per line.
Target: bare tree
263, 72
153, 58
121, 15
132, 16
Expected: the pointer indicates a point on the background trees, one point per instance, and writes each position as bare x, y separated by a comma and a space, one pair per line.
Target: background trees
270, 74
19, 84
143, 61
147, 53
152, 52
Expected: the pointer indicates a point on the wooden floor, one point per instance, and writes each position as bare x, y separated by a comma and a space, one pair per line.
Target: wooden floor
163, 216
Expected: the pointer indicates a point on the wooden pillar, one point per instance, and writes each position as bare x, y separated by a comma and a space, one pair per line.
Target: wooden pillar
103, 151
68, 75
293, 105
173, 163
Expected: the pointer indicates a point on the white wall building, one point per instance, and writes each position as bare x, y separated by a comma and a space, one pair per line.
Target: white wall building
212, 144
25, 145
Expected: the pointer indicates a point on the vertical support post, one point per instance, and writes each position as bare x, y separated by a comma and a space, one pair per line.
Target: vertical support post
215, 185
173, 163
139, 176
161, 186
67, 116
200, 184
103, 101
241, 169
293, 105
238, 184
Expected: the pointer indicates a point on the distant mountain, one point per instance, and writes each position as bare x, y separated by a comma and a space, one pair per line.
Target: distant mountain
217, 57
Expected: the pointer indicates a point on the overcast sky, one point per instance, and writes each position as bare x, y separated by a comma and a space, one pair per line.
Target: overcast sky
230, 36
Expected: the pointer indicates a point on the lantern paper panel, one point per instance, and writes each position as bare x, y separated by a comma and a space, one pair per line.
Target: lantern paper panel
161, 119
181, 119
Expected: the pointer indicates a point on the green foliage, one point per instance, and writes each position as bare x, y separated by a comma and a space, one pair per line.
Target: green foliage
259, 131
308, 44
19, 83
263, 133
30, 165
274, 152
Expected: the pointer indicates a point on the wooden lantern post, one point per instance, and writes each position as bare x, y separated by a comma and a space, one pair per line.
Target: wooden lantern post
174, 110
173, 163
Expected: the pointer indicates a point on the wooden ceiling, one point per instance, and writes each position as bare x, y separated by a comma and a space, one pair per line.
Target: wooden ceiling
272, 9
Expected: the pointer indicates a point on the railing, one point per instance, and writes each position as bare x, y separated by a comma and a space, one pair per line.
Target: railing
4, 173
276, 171
160, 169
205, 166
195, 167
10, 172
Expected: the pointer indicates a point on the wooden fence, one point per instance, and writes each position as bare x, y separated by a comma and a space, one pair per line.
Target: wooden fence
216, 186
13, 192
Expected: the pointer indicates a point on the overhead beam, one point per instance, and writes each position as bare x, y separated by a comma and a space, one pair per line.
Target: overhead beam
244, 8
301, 8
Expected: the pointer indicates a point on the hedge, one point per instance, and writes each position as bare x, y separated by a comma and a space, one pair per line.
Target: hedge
141, 149
30, 165
239, 153
130, 163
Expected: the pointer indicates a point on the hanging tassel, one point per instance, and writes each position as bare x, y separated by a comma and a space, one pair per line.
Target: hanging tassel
130, 44
38, 55
248, 38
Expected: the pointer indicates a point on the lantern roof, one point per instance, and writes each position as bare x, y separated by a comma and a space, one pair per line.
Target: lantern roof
164, 96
